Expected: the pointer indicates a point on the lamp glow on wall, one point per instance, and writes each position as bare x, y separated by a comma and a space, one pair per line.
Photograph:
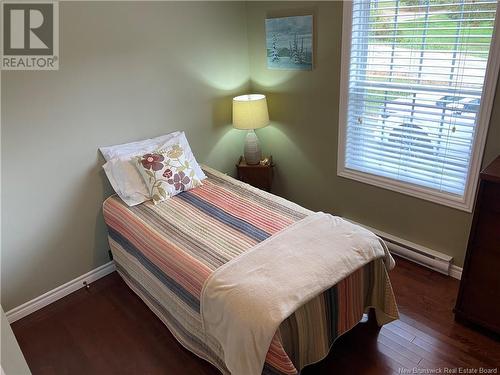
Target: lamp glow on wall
249, 113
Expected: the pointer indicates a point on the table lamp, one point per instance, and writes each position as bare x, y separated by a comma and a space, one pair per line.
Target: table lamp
249, 113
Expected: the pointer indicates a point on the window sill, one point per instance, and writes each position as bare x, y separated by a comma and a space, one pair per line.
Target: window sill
464, 203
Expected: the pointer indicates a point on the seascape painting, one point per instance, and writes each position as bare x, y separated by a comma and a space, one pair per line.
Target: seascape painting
289, 42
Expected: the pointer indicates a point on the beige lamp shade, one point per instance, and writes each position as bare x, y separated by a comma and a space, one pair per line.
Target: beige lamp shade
250, 111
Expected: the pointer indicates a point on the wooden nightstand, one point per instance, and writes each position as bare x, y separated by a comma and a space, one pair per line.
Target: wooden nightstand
260, 176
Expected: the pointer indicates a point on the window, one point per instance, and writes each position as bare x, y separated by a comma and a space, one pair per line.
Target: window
418, 81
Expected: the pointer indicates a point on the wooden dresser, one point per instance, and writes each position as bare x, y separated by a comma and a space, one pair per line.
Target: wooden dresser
478, 299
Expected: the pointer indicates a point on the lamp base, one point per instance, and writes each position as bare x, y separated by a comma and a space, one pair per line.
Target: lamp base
252, 151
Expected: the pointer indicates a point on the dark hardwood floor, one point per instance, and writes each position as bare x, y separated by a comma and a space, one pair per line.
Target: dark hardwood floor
108, 330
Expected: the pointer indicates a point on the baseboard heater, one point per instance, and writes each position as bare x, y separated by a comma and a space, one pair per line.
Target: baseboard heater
416, 253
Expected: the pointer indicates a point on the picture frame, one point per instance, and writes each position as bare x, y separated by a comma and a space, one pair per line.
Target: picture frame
290, 42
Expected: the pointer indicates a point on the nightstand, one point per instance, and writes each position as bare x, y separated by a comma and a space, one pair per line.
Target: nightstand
258, 175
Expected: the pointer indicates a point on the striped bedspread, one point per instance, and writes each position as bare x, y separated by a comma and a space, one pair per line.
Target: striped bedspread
166, 252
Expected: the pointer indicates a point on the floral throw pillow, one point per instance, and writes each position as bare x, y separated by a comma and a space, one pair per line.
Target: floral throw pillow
167, 173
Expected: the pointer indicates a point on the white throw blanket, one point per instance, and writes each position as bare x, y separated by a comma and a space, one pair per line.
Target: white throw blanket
244, 301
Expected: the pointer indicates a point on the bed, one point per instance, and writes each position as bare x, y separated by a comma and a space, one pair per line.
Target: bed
165, 253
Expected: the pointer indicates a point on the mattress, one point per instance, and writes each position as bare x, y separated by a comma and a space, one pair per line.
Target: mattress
165, 253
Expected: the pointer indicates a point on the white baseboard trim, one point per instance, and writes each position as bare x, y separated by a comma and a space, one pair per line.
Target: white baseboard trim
61, 291
456, 272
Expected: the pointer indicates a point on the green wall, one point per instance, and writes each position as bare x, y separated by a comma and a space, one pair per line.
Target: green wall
128, 71
303, 139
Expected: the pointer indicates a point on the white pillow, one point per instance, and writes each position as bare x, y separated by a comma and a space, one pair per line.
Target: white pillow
128, 183
135, 148
125, 180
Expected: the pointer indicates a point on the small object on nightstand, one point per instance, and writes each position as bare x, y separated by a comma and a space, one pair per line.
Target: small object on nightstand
265, 162
258, 175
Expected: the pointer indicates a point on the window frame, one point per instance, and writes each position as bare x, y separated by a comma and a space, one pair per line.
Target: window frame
465, 202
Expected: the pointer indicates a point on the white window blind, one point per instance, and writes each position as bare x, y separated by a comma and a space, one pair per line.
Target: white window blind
415, 83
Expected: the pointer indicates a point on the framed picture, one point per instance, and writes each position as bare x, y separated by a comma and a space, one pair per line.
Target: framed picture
289, 42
